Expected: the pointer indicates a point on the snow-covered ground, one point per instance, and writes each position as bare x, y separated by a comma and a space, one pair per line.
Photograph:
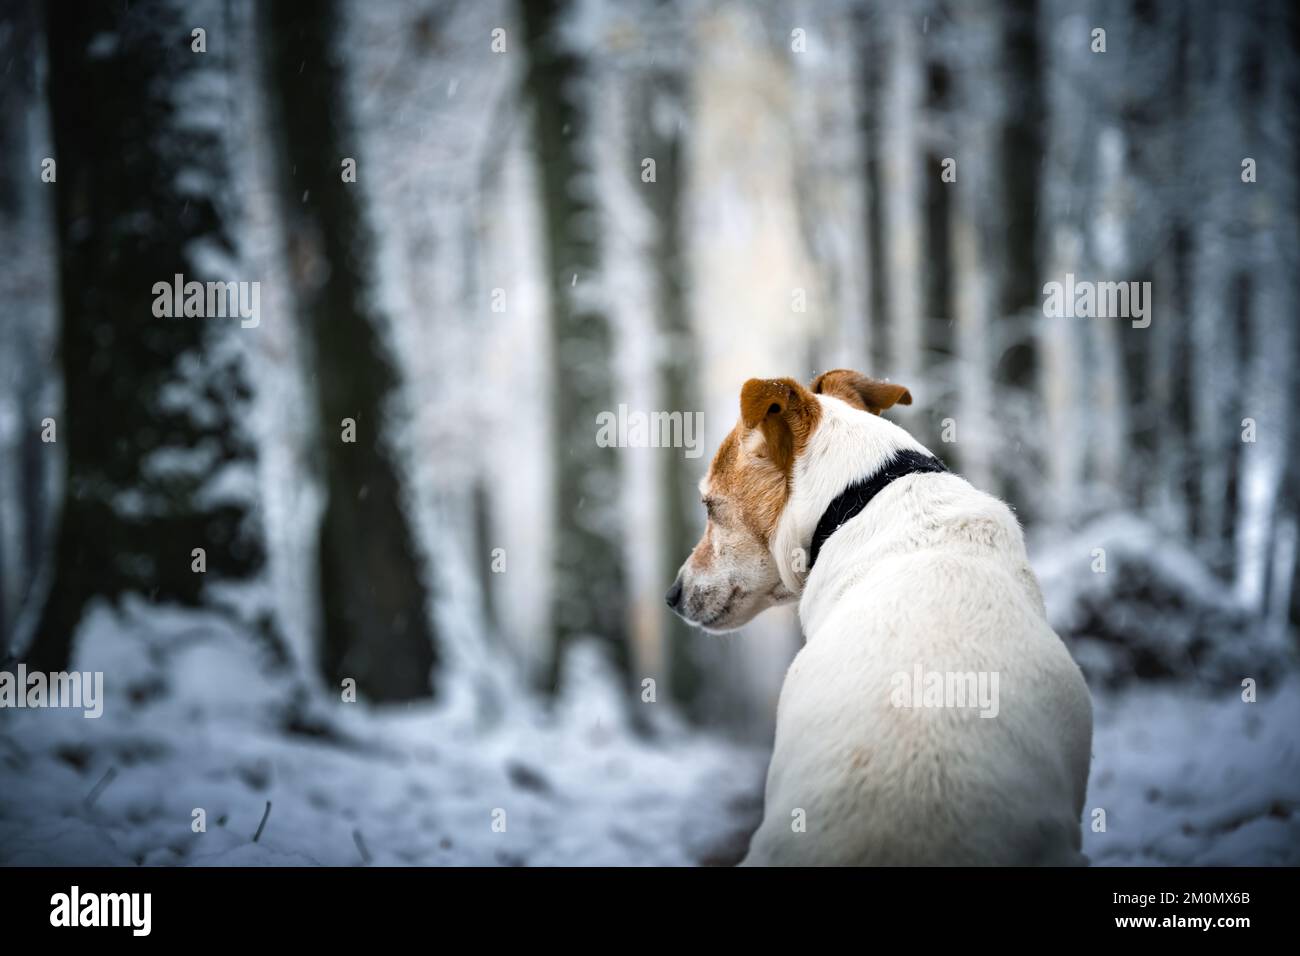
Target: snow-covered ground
412, 785
1189, 778
1183, 777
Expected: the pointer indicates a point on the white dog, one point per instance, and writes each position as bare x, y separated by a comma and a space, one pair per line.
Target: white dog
932, 716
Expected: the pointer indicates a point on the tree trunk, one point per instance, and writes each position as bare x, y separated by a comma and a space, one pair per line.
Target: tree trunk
1108, 403
661, 138
375, 610
18, 189
869, 44
1268, 383
1216, 129
589, 599
902, 165
977, 246
1064, 180
1020, 161
123, 225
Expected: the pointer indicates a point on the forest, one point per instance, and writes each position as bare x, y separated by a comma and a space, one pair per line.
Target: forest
359, 363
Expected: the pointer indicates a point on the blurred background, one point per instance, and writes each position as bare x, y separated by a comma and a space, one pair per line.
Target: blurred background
474, 228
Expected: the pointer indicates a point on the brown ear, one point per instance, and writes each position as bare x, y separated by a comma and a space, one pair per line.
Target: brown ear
786, 413
858, 390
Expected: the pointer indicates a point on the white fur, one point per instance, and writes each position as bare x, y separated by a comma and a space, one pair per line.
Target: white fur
932, 573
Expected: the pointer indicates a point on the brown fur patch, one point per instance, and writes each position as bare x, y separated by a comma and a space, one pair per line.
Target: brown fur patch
752, 468
785, 412
860, 391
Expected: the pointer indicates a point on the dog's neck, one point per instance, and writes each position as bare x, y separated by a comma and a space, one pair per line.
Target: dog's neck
848, 504
847, 446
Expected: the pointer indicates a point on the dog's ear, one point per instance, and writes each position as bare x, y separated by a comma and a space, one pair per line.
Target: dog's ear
783, 412
858, 390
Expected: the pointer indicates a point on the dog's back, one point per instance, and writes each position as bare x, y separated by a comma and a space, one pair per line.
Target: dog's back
928, 589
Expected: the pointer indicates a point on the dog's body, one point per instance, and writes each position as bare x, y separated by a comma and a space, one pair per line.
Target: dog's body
929, 578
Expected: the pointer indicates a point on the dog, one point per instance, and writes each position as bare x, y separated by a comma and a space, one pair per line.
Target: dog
932, 716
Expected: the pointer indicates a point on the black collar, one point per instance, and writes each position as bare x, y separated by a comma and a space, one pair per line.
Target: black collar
858, 495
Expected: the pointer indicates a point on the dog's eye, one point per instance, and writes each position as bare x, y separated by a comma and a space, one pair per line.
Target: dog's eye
710, 506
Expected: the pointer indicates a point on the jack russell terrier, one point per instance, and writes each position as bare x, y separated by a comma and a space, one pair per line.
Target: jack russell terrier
932, 715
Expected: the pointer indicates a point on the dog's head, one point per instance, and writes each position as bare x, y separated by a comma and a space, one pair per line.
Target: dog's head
733, 573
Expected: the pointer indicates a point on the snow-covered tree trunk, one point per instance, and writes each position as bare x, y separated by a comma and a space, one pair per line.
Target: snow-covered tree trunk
1286, 568
375, 627
429, 155
1158, 227
289, 491
1216, 134
869, 42
828, 88
154, 453
27, 286
1271, 206
1168, 390
517, 343
659, 107
977, 243
902, 166
1065, 40
1108, 401
590, 597
1019, 159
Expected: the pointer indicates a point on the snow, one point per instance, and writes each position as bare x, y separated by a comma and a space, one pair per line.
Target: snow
1196, 779
194, 719
1156, 610
205, 712
189, 723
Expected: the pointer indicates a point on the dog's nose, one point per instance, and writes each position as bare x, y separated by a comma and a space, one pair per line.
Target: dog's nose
674, 595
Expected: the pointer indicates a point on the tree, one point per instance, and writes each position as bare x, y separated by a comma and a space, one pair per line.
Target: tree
27, 326
976, 237
902, 191
1220, 247
150, 410
375, 618
589, 599
659, 134
1067, 171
